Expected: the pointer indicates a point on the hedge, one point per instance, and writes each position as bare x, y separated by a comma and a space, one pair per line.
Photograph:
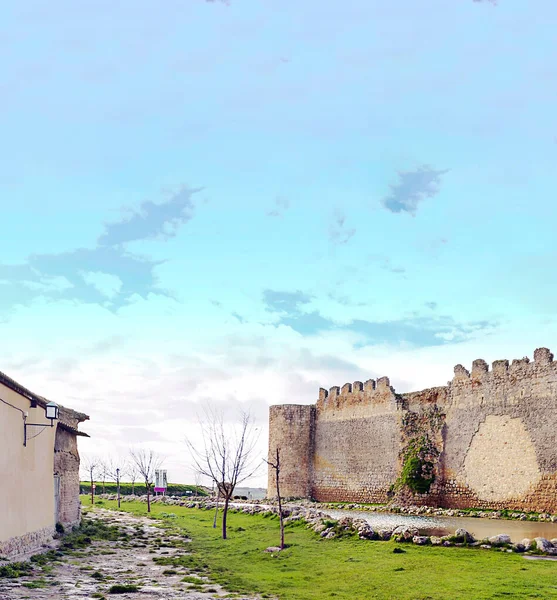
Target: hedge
174, 489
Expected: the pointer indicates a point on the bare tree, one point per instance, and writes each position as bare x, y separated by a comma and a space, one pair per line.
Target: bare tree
132, 473
90, 465
103, 469
226, 454
147, 462
274, 463
116, 469
197, 481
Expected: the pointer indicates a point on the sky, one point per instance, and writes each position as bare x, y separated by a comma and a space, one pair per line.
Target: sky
236, 203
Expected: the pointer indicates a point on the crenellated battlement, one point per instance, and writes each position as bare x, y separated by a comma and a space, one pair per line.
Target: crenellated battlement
501, 374
350, 394
542, 366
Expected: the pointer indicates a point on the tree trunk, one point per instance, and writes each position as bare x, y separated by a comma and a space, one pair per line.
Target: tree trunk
118, 484
216, 512
133, 488
224, 514
103, 486
280, 514
92, 491
148, 497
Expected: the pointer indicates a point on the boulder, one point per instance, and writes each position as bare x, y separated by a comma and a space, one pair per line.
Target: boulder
272, 549
403, 533
526, 542
330, 535
463, 535
420, 540
385, 534
485, 546
435, 540
366, 533
542, 544
498, 540
519, 547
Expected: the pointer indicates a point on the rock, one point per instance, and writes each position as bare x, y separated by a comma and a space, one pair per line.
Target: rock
366, 533
554, 541
292, 519
330, 535
519, 547
272, 549
502, 538
463, 535
319, 527
526, 542
420, 540
447, 543
403, 533
552, 551
385, 534
485, 546
542, 544
435, 540
326, 532
345, 522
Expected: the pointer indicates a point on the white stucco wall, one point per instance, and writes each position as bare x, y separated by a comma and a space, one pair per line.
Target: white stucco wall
26, 473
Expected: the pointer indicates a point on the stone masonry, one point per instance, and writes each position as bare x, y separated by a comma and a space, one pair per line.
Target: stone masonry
498, 442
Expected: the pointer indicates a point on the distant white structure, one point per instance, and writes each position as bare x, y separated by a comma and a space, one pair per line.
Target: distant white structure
161, 481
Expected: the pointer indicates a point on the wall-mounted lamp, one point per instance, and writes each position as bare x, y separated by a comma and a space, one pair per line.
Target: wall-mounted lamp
51, 412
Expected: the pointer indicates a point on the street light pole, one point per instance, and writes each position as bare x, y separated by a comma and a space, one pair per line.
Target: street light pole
118, 485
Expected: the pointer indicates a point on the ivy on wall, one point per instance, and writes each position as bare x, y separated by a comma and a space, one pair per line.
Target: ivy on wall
421, 437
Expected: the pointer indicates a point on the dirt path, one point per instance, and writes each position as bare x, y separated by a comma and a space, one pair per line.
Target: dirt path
90, 572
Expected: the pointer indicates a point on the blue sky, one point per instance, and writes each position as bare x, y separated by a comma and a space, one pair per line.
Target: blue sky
244, 201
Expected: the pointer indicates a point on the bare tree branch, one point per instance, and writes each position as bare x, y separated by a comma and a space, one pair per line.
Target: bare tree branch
226, 455
147, 462
90, 464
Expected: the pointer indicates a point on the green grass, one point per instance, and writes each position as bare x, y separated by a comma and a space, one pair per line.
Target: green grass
123, 589
347, 569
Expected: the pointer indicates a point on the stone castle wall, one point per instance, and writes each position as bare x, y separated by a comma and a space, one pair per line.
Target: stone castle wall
498, 442
291, 428
66, 468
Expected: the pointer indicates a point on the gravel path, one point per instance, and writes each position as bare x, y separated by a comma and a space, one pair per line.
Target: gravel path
89, 573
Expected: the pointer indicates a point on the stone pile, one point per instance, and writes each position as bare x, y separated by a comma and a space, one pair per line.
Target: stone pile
328, 528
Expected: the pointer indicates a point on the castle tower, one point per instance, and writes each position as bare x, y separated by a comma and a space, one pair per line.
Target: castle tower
291, 429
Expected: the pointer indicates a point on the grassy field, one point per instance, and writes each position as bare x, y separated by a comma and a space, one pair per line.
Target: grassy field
348, 569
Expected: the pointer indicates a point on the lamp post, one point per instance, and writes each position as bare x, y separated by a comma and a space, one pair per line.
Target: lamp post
52, 411
118, 484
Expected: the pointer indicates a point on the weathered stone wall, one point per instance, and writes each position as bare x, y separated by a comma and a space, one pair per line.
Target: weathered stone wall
291, 429
356, 442
501, 444
498, 442
66, 467
26, 544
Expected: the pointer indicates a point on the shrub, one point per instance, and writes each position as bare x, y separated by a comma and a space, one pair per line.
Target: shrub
123, 589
